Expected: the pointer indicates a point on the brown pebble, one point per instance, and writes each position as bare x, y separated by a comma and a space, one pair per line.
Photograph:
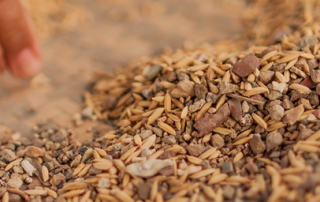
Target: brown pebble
210, 121
292, 115
308, 82
287, 104
34, 151
184, 88
256, 144
273, 140
235, 109
276, 112
246, 66
217, 141
200, 91
196, 150
144, 190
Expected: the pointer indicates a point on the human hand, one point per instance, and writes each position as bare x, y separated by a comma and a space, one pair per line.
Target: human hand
19, 49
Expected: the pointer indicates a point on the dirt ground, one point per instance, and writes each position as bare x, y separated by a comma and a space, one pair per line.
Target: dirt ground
118, 32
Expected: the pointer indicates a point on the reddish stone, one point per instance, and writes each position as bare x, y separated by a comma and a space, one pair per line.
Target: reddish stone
246, 66
292, 115
258, 97
235, 109
210, 121
317, 113
308, 82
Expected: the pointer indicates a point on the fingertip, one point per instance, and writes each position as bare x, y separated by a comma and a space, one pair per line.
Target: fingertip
26, 64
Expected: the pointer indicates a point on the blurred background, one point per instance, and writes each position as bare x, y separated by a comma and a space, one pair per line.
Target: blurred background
81, 38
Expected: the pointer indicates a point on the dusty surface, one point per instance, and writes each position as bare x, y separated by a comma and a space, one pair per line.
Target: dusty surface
119, 32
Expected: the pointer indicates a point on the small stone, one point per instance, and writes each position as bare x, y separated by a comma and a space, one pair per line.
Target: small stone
296, 94
28, 167
301, 62
226, 87
273, 140
317, 113
9, 155
147, 93
227, 167
153, 72
256, 144
171, 139
229, 123
184, 88
28, 180
308, 41
246, 66
144, 190
306, 104
87, 155
196, 150
235, 109
266, 76
210, 121
167, 155
104, 183
57, 179
15, 182
276, 112
189, 127
182, 76
217, 141
312, 118
287, 104
279, 86
200, 91
313, 99
171, 76
245, 107
308, 82
197, 106
246, 120
145, 134
213, 97
274, 95
147, 168
298, 72
228, 192
279, 67
318, 89
18, 169
315, 75
305, 133
34, 151
292, 115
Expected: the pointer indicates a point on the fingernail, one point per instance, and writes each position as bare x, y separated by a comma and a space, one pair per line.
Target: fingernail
26, 63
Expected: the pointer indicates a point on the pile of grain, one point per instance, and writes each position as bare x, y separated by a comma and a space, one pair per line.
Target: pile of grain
194, 125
